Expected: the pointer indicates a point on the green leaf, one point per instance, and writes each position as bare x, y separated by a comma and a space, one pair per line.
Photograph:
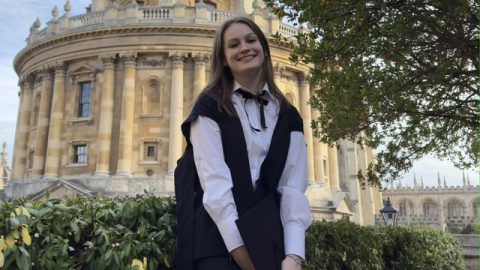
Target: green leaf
108, 256
62, 208
14, 222
166, 217
23, 219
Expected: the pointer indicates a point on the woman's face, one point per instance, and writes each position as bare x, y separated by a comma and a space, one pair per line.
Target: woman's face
244, 54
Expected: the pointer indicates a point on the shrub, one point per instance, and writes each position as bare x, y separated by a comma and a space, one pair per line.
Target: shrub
89, 233
345, 245
470, 229
140, 233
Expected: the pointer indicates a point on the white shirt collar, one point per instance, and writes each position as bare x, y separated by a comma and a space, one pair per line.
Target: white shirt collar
237, 86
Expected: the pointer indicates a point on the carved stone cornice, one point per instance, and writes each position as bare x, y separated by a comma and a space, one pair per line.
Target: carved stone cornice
129, 59
109, 60
27, 81
77, 36
278, 69
302, 77
60, 68
154, 62
200, 59
177, 58
45, 72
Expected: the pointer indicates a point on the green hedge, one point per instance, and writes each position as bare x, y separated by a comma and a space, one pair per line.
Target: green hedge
139, 233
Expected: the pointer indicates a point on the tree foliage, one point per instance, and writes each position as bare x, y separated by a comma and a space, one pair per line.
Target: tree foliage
399, 74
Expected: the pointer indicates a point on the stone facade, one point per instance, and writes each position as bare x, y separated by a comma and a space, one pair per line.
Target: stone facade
4, 169
444, 207
103, 95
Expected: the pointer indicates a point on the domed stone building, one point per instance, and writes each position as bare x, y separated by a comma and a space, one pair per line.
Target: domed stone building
103, 95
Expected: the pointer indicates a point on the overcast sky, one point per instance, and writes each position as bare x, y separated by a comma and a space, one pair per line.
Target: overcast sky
16, 17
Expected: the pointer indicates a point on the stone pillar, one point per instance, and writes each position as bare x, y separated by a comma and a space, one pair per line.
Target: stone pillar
41, 138
21, 103
23, 131
277, 73
200, 13
199, 81
132, 13
333, 168
126, 123
318, 155
106, 116
56, 119
306, 113
176, 110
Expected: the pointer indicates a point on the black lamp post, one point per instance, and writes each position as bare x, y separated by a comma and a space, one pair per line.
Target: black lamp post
389, 214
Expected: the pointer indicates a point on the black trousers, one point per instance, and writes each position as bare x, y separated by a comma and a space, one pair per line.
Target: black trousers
215, 263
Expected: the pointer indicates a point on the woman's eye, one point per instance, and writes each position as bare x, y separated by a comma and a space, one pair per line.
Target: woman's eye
232, 45
252, 40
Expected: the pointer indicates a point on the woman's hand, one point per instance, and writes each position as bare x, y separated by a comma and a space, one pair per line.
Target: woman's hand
290, 264
242, 258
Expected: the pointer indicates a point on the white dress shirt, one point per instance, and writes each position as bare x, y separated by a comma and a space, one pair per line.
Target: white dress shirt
216, 181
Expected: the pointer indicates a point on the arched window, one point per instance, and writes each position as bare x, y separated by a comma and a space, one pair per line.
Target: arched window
455, 208
475, 208
290, 99
406, 208
429, 208
152, 97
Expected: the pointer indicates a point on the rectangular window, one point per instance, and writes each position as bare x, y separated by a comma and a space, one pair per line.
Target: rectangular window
84, 100
140, 3
151, 151
80, 154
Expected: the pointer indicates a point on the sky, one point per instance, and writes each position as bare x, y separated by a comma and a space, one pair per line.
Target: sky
15, 22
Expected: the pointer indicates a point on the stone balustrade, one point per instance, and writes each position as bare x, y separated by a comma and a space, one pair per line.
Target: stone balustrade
163, 15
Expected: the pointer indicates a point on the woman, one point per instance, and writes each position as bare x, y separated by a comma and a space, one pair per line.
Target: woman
241, 205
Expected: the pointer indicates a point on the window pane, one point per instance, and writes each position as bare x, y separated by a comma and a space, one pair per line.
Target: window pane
84, 100
80, 154
151, 151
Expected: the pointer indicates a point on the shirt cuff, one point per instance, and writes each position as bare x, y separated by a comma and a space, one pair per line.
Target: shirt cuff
294, 240
230, 234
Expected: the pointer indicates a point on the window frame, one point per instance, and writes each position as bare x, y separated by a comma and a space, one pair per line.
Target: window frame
80, 104
71, 153
143, 144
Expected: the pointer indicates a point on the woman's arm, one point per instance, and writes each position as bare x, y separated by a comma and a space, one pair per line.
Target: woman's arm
216, 181
294, 206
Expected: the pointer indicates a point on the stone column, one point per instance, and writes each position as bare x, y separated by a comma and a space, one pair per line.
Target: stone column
106, 116
318, 155
333, 168
56, 119
199, 81
277, 73
23, 127
126, 123
176, 110
306, 113
41, 138
17, 126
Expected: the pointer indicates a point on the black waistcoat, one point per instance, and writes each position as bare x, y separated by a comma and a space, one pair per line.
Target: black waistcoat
198, 236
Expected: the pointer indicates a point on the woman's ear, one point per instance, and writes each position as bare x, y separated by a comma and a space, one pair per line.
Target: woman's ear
225, 62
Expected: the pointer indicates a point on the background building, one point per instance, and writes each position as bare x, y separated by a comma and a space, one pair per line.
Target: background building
4, 169
103, 95
445, 208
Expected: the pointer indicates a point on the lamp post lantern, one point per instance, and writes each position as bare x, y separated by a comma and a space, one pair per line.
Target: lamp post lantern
389, 214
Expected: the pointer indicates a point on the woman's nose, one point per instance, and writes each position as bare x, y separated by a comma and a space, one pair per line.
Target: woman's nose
244, 46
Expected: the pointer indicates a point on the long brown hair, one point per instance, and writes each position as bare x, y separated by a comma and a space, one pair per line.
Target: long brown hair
221, 79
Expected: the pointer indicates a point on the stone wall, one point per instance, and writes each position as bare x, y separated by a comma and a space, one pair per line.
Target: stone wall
470, 249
